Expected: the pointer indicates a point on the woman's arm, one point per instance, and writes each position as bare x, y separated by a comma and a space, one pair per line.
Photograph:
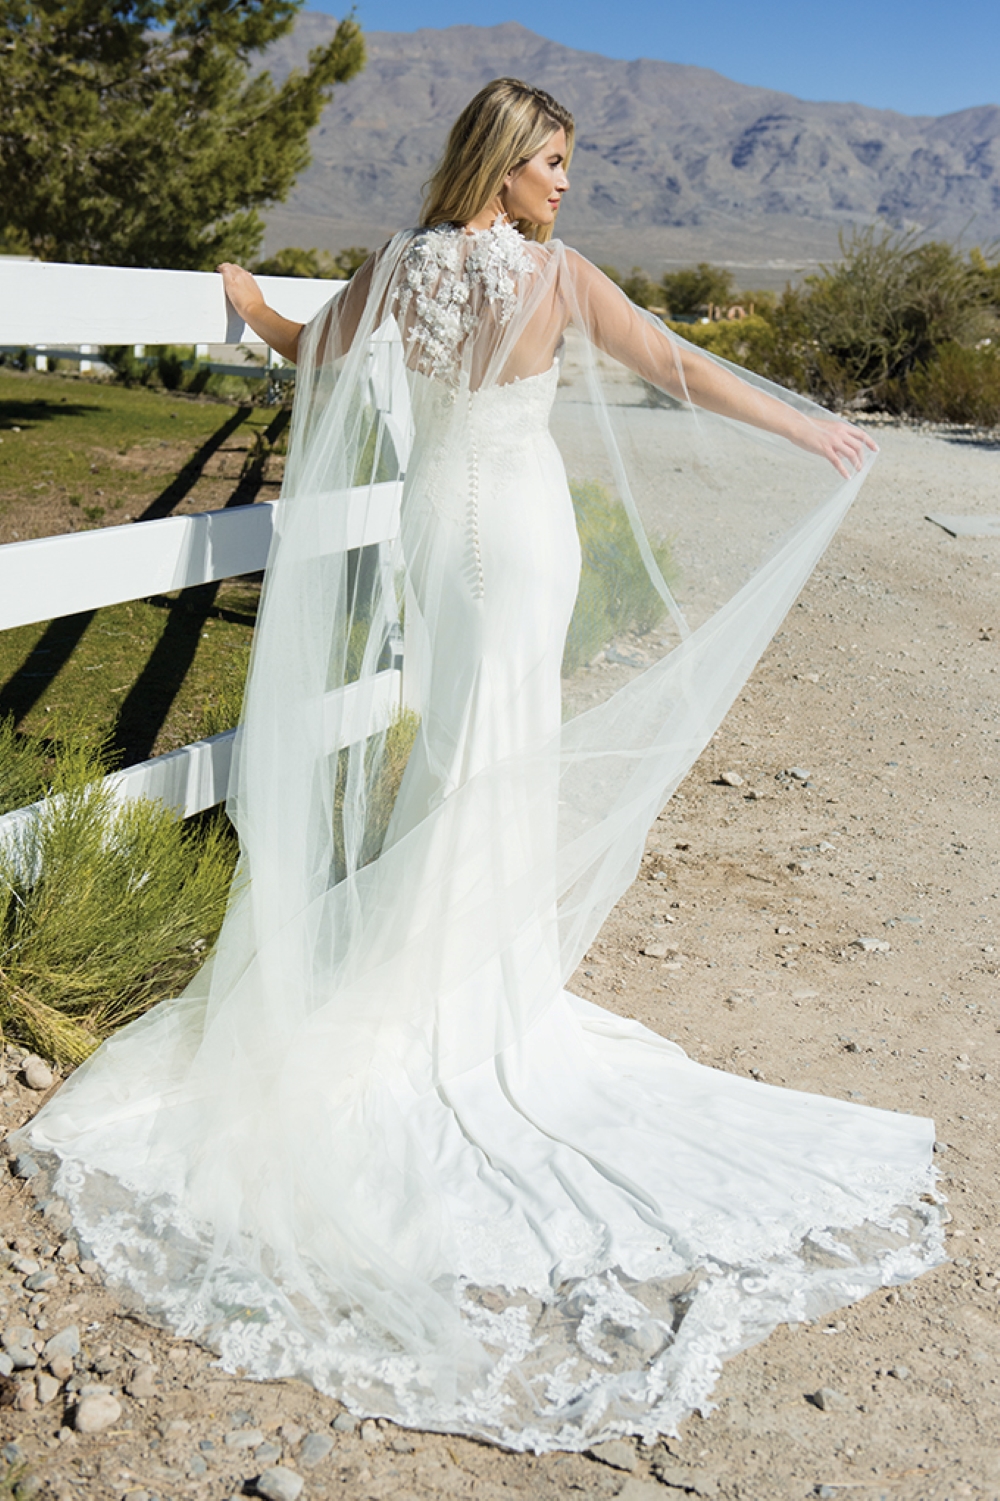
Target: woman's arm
246, 297
616, 326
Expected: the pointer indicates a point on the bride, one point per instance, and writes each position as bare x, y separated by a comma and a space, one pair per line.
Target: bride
376, 1144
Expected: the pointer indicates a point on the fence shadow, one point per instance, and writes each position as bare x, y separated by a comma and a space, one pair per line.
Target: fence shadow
184, 482
149, 700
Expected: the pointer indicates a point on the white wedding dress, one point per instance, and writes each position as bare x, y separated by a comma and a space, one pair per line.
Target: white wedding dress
377, 1145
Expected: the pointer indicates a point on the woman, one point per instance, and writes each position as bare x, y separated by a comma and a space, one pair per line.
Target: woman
376, 1144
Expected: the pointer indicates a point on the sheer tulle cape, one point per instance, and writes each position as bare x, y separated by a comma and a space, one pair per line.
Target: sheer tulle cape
376, 1144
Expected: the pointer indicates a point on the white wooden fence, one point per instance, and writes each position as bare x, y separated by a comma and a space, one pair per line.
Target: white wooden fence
48, 304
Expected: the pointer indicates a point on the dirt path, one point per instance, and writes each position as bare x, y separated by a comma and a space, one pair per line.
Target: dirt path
882, 688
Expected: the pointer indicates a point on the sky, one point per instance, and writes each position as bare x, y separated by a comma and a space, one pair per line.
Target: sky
921, 57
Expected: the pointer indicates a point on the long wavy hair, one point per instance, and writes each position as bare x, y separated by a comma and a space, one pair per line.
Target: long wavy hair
498, 131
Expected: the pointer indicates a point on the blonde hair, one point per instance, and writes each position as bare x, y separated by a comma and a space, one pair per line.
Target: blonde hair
498, 131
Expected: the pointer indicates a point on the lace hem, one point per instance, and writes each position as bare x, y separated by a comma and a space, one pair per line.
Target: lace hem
584, 1358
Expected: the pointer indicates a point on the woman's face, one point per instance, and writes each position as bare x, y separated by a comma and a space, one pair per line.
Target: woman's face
534, 191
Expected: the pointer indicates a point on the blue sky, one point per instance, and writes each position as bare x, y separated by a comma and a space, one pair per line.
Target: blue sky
922, 57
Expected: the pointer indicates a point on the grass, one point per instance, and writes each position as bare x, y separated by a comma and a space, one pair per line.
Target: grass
104, 909
154, 673
95, 445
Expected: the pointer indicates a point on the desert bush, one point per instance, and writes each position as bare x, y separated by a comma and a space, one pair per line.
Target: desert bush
24, 767
385, 761
773, 345
694, 288
105, 908
616, 593
958, 385
884, 310
292, 261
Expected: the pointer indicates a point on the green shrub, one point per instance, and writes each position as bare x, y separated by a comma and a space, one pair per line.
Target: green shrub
293, 261
768, 345
884, 310
24, 767
129, 369
223, 710
385, 764
695, 288
105, 909
616, 593
958, 385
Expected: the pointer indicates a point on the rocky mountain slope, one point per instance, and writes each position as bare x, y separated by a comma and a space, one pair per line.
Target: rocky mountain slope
672, 161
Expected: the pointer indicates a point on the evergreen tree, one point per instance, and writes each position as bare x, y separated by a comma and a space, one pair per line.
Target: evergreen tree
137, 133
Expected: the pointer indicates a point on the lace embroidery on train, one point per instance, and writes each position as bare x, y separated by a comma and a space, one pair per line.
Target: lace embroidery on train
448, 275
603, 1353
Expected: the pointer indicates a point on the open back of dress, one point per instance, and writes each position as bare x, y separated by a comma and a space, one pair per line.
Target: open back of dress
376, 1144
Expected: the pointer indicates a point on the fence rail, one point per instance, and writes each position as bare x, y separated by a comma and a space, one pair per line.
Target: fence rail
47, 577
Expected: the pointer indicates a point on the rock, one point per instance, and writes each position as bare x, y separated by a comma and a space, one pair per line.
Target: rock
25, 1399
616, 1453
6, 1364
900, 1372
197, 1466
315, 1448
104, 1365
240, 1419
370, 1432
660, 951
69, 1252
95, 1413
828, 1400
65, 1343
41, 1281
798, 775
267, 1453
25, 1266
401, 1446
19, 1343
57, 1215
46, 1388
700, 1482
25, 1166
137, 1496
344, 1423
292, 1433
90, 1267
731, 779
38, 1075
279, 1484
244, 1438
871, 945
142, 1382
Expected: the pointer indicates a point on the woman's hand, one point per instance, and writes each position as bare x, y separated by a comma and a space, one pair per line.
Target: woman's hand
241, 289
841, 443
247, 300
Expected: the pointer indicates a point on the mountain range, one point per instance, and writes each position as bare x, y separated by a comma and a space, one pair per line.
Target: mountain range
673, 163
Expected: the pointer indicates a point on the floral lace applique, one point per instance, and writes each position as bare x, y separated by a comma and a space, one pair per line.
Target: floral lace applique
450, 274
